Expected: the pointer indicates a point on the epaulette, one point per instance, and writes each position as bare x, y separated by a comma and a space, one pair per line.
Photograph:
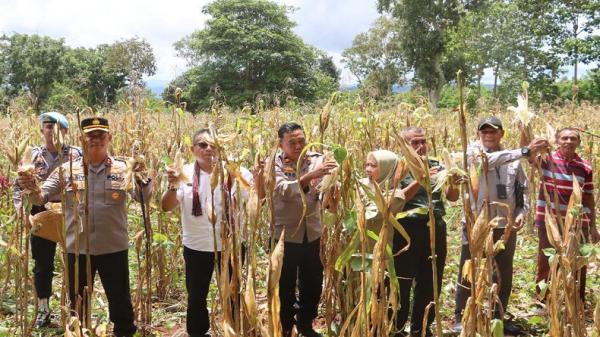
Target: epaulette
36, 151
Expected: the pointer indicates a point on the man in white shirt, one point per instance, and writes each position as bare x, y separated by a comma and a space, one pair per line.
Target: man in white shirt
200, 241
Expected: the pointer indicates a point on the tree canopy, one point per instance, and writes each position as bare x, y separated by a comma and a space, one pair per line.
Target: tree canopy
40, 67
248, 48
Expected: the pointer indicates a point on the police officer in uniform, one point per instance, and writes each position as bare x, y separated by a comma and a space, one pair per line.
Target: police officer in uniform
46, 158
106, 220
301, 258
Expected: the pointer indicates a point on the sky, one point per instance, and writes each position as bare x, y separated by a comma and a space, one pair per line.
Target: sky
329, 25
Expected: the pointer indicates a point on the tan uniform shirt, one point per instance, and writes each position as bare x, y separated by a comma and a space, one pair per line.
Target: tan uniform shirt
287, 201
107, 205
45, 162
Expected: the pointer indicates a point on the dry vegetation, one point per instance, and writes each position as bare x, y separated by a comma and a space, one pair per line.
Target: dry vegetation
349, 305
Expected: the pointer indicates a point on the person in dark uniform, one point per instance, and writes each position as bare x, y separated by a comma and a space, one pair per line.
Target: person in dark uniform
301, 258
415, 263
106, 223
46, 158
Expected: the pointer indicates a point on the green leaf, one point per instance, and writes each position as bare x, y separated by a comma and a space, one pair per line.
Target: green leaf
350, 221
497, 328
549, 252
339, 153
535, 320
586, 250
543, 288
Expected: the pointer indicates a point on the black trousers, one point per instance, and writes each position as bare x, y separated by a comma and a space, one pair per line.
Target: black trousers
302, 263
199, 267
414, 265
114, 274
503, 274
42, 252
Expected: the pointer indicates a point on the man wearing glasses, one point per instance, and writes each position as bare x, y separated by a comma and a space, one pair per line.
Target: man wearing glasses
200, 241
505, 183
105, 226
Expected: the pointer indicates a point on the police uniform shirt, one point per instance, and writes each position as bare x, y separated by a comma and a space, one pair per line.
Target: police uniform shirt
45, 162
107, 205
287, 201
198, 230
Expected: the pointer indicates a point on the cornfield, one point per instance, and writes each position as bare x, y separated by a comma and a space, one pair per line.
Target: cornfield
243, 299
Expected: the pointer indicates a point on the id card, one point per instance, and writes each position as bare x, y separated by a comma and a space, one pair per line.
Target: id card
501, 191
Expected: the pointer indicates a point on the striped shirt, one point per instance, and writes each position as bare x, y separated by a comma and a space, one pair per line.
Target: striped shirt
558, 174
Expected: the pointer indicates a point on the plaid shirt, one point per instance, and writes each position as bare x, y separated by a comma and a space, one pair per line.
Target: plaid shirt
558, 175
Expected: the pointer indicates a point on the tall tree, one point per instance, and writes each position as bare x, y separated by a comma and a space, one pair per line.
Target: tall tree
375, 57
131, 58
424, 25
574, 31
248, 48
31, 63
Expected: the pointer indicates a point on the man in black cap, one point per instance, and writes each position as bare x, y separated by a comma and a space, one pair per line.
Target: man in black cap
45, 159
505, 183
103, 221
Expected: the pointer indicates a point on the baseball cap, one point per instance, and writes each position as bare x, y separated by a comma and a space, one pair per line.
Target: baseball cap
492, 121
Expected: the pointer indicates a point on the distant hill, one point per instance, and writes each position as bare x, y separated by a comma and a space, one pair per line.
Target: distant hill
396, 88
157, 86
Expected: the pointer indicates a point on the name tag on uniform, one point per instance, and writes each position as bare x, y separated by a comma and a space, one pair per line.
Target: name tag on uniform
115, 177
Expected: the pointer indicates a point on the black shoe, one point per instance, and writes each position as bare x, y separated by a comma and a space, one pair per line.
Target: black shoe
307, 331
42, 319
287, 333
418, 334
511, 328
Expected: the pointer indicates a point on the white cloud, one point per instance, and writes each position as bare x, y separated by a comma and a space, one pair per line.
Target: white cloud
327, 24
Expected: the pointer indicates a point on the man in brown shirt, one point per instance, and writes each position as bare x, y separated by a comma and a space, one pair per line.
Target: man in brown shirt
301, 259
106, 222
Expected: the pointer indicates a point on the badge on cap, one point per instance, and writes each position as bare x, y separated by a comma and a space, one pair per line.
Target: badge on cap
96, 121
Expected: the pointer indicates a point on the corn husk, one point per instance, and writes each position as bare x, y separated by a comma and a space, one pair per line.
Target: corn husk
48, 225
480, 230
276, 262
177, 168
234, 170
28, 169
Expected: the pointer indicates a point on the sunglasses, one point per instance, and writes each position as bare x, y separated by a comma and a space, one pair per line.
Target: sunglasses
202, 145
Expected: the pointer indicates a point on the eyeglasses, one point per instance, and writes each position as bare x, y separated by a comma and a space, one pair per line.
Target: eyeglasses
202, 145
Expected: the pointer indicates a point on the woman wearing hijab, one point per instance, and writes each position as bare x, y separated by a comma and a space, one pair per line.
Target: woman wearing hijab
381, 169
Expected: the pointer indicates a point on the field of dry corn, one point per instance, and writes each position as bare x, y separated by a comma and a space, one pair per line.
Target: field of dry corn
345, 310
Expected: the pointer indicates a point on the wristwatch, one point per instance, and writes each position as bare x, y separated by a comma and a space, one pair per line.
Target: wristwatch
525, 151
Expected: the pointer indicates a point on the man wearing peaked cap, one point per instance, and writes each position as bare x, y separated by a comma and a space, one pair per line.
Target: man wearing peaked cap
94, 124
45, 159
106, 224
